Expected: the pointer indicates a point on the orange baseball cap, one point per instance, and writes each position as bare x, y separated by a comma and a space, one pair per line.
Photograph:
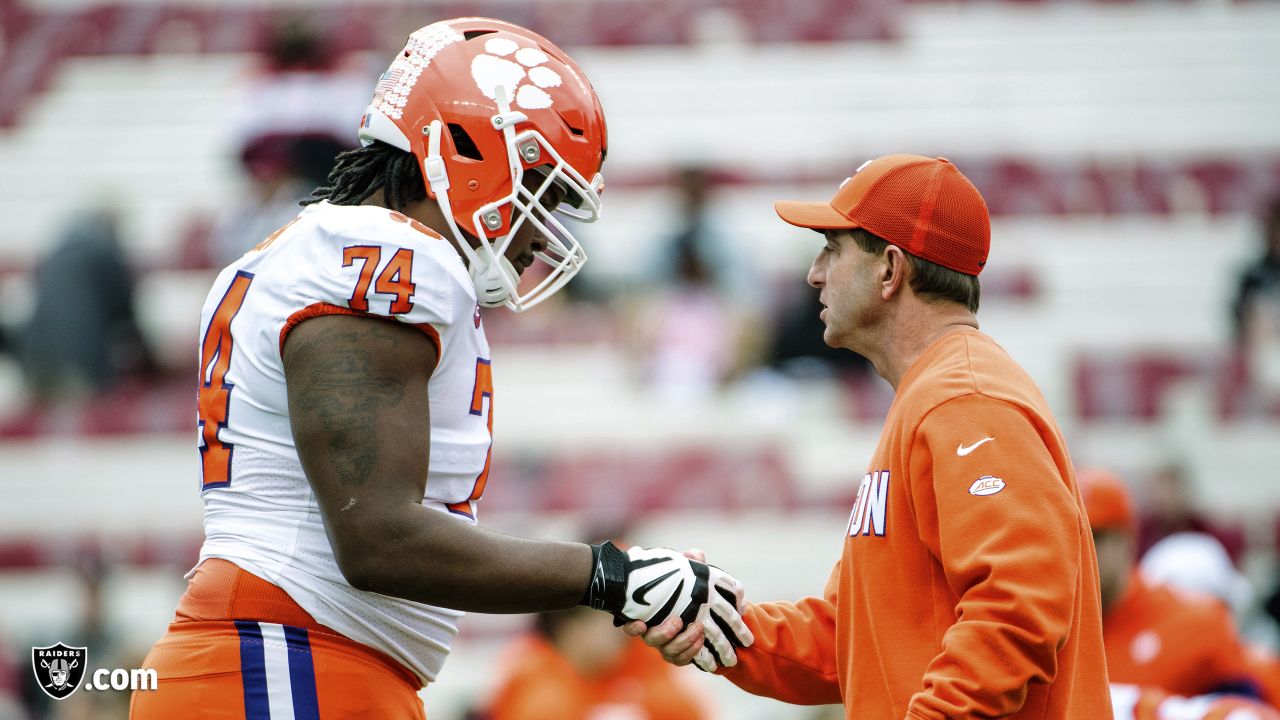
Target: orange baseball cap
923, 205
1106, 500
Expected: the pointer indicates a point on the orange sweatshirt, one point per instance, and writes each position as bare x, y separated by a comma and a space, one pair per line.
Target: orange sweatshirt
968, 585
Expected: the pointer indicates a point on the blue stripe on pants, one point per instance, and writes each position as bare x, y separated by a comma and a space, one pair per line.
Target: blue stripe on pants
253, 671
302, 674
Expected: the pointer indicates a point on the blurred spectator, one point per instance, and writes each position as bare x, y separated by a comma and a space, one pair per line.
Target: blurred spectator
93, 630
797, 349
1272, 603
1256, 323
577, 666
289, 123
88, 627
698, 240
1258, 285
83, 335
1154, 636
1172, 508
11, 672
692, 333
1198, 563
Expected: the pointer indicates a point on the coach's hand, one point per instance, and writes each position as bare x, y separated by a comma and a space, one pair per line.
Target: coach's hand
721, 620
710, 642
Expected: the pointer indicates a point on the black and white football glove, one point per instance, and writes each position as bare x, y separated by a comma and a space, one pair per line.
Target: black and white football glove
652, 584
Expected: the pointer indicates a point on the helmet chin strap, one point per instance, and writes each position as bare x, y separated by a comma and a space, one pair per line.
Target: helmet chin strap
486, 276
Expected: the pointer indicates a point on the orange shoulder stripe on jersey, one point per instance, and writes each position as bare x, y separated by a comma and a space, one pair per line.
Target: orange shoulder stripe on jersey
274, 236
402, 218
322, 308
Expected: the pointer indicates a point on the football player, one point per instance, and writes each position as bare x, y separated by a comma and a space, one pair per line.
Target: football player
1155, 635
346, 401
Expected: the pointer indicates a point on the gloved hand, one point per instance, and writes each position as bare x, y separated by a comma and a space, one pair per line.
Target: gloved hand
648, 584
652, 584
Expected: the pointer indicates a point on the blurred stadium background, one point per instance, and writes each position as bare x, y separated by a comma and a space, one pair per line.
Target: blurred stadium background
1128, 151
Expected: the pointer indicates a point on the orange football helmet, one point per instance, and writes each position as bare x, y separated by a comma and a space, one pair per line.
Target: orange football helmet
481, 102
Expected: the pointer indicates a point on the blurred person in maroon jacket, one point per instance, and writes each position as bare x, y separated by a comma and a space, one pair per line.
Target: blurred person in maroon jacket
288, 123
1171, 507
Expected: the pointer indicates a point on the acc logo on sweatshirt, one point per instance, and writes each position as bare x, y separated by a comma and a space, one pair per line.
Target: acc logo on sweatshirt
868, 515
986, 485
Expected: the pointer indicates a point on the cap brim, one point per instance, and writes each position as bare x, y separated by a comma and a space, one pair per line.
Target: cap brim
814, 215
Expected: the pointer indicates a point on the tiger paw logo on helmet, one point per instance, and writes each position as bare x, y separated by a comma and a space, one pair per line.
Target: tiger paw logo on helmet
505, 64
479, 102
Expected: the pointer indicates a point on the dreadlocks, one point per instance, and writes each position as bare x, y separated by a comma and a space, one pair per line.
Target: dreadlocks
357, 174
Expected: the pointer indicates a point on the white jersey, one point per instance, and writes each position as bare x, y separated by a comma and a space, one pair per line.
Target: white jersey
259, 510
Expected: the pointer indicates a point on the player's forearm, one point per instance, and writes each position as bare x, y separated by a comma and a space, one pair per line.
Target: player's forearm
426, 557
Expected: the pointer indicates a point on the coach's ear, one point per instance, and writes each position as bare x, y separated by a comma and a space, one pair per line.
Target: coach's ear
893, 271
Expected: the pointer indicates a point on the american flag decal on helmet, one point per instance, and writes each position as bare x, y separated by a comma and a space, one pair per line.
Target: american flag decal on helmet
388, 80
392, 92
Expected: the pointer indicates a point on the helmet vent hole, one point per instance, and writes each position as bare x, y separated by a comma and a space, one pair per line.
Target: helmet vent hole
577, 132
463, 144
473, 34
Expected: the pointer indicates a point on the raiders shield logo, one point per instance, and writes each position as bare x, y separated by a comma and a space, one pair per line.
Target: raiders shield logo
59, 669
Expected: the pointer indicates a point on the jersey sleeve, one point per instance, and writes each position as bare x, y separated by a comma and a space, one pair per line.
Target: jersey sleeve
1007, 529
794, 656
390, 270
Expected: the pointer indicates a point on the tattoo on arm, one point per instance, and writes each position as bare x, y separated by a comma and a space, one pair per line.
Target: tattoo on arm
340, 395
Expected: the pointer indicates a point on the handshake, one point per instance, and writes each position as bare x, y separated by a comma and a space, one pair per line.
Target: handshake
653, 584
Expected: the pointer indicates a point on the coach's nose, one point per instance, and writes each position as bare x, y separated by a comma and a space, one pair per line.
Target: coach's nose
817, 276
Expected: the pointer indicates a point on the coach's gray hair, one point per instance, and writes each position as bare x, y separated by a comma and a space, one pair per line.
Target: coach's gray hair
928, 279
